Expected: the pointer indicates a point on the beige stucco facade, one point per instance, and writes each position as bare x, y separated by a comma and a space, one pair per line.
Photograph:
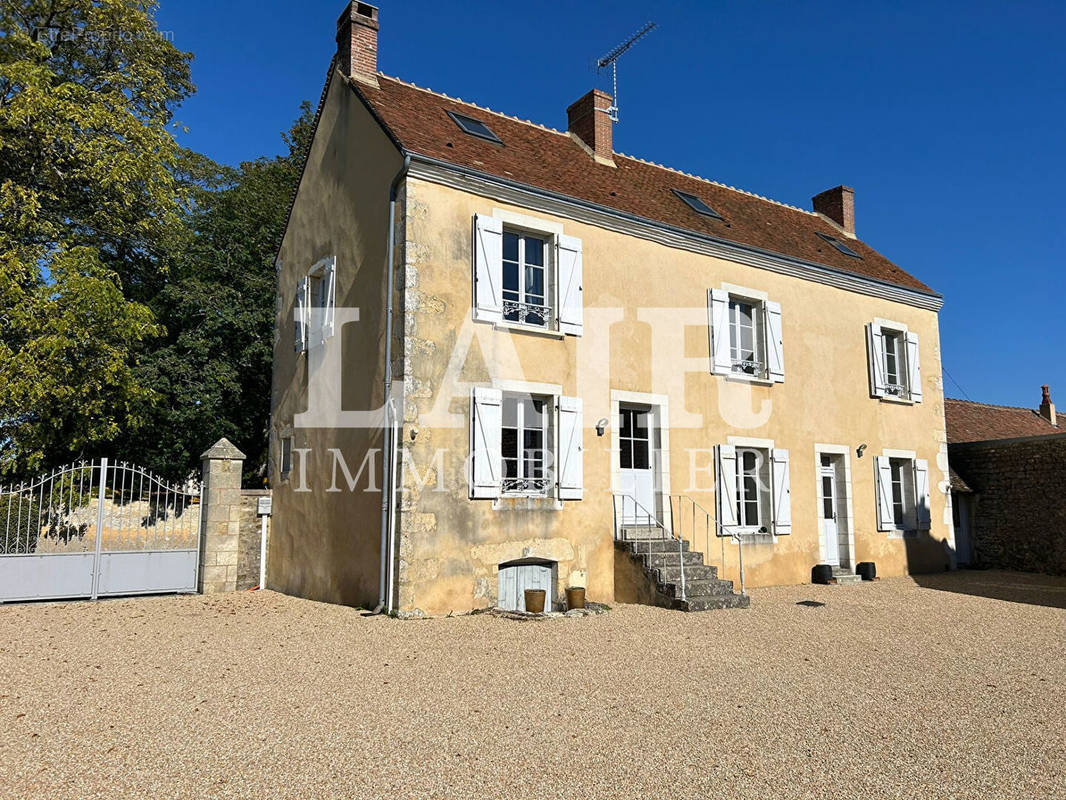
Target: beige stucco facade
325, 545
645, 333
645, 337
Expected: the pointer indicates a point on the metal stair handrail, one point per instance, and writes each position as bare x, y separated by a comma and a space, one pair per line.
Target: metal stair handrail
651, 519
699, 517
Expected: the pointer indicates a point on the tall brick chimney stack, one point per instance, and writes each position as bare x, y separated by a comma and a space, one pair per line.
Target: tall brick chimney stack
357, 42
587, 119
839, 205
1047, 408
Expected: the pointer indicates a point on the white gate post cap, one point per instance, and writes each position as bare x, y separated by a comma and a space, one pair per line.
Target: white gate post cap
223, 449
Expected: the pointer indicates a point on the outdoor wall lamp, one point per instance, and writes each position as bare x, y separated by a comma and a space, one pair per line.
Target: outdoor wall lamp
861, 450
601, 426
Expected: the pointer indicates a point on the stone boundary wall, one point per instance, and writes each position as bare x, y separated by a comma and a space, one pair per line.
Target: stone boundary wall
1019, 520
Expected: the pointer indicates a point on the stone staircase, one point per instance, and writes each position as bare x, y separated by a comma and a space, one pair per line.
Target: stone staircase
845, 577
658, 556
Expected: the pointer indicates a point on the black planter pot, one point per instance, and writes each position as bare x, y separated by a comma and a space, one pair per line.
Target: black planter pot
821, 573
867, 570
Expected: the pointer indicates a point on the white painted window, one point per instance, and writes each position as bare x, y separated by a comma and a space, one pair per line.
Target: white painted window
315, 305
745, 345
903, 494
746, 336
895, 367
753, 490
525, 444
527, 278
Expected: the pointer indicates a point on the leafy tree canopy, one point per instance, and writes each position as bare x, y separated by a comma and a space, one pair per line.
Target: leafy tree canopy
212, 370
91, 201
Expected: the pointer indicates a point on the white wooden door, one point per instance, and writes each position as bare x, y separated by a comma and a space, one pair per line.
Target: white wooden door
514, 579
830, 530
636, 466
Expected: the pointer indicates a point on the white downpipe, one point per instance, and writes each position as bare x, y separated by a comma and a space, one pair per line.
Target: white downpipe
263, 552
391, 583
388, 509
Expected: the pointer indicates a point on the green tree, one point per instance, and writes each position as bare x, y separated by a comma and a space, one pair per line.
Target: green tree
212, 369
92, 196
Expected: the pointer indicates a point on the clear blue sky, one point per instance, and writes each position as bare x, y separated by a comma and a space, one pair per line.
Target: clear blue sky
947, 118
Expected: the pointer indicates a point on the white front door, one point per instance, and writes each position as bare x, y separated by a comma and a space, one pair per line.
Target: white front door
830, 530
635, 463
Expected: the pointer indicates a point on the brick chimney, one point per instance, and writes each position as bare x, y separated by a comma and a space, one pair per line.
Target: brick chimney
357, 42
1047, 408
587, 120
839, 205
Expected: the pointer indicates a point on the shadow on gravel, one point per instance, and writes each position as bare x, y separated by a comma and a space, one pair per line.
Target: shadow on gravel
1015, 587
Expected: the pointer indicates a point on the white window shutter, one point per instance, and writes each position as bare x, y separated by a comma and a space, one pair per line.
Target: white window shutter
300, 316
775, 343
875, 341
725, 487
570, 455
329, 297
914, 368
571, 298
782, 493
921, 493
486, 420
488, 268
718, 309
883, 479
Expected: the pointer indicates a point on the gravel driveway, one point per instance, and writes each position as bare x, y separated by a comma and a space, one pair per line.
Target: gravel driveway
888, 690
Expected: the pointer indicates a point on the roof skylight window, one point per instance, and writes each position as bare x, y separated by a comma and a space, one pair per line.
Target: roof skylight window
474, 127
839, 245
696, 204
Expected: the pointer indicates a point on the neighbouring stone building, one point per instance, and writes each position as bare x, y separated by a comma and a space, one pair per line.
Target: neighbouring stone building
509, 357
1009, 485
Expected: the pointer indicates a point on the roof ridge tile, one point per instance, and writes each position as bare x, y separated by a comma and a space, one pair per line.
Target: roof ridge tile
993, 405
717, 183
474, 105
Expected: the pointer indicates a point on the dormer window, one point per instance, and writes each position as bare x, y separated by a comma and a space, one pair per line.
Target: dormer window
474, 127
696, 204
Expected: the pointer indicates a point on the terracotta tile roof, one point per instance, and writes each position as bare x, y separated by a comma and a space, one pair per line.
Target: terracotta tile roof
547, 159
956, 481
977, 422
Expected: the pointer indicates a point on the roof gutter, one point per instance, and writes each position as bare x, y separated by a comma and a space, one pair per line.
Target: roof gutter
916, 297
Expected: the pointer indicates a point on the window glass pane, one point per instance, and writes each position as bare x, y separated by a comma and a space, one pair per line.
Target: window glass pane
510, 411
827, 461
827, 497
640, 421
640, 454
510, 279
510, 246
534, 412
625, 454
534, 285
509, 442
627, 424
534, 251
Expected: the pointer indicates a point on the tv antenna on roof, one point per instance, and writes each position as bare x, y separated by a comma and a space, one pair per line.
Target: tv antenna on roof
611, 60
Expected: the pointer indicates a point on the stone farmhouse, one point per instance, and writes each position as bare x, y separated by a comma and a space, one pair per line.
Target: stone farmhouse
1008, 469
509, 357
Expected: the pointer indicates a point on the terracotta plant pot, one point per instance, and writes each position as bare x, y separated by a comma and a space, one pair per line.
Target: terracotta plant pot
535, 601
575, 597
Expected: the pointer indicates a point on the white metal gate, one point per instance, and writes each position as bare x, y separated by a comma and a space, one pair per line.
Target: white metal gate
98, 529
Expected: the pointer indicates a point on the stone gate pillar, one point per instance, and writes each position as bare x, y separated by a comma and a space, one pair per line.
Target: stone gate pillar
220, 517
